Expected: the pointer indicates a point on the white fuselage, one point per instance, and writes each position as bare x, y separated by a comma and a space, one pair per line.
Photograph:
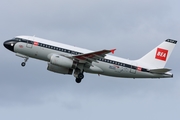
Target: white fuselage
110, 65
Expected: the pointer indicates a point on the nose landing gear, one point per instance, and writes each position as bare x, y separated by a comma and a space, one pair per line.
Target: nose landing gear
24, 63
23, 56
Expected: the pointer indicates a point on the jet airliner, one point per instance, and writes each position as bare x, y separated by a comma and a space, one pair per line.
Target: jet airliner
66, 59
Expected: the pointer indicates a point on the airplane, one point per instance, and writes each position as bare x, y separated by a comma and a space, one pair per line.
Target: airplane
70, 60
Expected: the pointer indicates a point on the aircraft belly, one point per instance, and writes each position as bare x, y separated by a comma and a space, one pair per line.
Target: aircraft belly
111, 70
120, 71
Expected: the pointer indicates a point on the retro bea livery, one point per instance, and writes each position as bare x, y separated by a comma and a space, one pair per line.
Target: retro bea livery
66, 59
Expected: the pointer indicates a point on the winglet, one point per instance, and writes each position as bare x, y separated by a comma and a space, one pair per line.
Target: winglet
112, 51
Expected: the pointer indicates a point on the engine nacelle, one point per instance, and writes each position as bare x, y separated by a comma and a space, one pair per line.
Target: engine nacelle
58, 69
61, 61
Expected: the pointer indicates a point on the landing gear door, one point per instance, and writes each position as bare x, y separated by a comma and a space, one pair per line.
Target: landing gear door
29, 44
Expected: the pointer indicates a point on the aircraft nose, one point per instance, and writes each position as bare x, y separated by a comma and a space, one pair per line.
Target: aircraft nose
9, 45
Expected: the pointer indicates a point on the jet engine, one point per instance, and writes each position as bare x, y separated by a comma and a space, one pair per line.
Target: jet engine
62, 61
58, 69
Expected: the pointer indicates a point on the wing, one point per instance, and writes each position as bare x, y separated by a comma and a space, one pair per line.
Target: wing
93, 56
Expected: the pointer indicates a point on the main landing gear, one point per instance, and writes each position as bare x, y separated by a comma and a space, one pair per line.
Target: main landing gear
79, 78
78, 75
24, 63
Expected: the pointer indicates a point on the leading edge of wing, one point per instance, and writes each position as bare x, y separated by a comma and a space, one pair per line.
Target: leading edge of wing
93, 56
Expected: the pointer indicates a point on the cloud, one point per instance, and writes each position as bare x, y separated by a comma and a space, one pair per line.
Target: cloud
133, 27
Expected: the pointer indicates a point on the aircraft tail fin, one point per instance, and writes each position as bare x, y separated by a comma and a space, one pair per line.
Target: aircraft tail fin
158, 57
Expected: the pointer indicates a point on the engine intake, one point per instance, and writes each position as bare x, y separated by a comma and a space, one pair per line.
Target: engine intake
62, 61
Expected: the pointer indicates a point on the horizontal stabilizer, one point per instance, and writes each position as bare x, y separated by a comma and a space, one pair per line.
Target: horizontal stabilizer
160, 71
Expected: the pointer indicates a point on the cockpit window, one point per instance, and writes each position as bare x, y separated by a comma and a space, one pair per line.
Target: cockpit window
18, 39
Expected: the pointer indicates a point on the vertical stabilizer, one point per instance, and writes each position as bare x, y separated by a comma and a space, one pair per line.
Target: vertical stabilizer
158, 57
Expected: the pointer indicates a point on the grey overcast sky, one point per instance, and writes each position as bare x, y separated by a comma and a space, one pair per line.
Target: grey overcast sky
133, 27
